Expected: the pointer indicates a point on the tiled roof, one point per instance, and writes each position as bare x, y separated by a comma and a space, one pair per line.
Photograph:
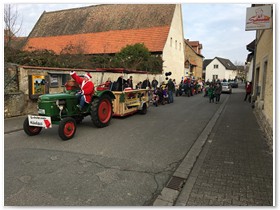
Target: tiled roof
227, 63
206, 63
195, 46
101, 18
103, 42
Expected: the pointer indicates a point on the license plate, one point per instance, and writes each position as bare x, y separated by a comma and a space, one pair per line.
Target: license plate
41, 111
40, 121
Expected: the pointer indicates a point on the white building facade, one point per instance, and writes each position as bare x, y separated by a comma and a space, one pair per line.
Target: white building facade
220, 68
173, 51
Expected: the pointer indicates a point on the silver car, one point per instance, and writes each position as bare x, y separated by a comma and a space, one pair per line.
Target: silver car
226, 87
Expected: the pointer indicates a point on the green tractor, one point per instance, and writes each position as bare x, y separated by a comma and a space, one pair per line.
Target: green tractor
61, 109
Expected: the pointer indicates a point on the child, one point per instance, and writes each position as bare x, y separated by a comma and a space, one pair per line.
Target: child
155, 97
165, 96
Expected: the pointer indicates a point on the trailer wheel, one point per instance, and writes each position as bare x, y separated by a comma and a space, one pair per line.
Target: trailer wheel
67, 128
144, 109
30, 130
101, 111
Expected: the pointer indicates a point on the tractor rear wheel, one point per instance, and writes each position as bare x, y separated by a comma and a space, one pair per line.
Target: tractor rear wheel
101, 111
30, 130
67, 128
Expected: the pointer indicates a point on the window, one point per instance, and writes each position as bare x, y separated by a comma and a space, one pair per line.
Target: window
57, 80
216, 66
171, 42
215, 77
53, 80
176, 44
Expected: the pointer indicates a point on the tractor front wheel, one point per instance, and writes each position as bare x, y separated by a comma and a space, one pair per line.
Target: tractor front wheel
67, 128
30, 130
101, 111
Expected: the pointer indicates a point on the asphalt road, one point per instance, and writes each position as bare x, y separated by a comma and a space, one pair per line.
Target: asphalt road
125, 164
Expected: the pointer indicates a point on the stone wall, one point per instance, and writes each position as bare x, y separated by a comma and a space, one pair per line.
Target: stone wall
265, 126
13, 99
17, 100
10, 78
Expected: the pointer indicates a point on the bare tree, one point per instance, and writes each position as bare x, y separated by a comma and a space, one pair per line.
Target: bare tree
11, 19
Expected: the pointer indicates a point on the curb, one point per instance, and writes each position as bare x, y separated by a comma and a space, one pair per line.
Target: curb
14, 124
171, 197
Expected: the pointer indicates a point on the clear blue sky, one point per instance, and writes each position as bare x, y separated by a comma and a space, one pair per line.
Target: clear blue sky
219, 27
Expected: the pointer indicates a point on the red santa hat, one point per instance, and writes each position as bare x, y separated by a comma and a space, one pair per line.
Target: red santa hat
87, 75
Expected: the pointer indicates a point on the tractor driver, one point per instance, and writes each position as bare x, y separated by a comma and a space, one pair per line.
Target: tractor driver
87, 88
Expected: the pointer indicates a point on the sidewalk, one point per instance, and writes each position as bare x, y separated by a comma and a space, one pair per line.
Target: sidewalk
13, 124
233, 168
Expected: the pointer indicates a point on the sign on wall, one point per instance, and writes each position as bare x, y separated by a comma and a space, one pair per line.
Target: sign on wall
259, 18
37, 86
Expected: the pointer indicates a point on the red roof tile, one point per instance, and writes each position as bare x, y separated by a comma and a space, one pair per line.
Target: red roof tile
103, 42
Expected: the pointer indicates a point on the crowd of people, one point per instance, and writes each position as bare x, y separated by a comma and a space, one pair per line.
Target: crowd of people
213, 90
163, 93
158, 93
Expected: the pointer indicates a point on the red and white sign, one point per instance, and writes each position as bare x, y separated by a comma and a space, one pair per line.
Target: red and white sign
40, 121
259, 17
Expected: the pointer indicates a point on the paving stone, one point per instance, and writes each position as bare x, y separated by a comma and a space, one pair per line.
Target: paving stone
237, 169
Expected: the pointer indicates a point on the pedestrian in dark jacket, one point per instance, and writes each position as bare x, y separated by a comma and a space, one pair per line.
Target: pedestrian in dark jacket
130, 82
154, 83
211, 93
146, 84
171, 89
218, 91
120, 83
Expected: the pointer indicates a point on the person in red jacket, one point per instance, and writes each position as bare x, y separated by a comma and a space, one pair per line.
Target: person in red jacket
87, 88
248, 88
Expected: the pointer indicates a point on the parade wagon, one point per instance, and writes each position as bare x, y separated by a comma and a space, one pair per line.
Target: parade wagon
128, 102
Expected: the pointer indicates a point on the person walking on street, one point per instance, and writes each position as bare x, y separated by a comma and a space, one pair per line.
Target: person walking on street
211, 92
218, 92
248, 88
171, 89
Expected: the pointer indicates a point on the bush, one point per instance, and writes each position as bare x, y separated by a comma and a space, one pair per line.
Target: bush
136, 57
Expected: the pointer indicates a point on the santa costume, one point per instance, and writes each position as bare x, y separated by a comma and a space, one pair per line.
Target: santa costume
86, 85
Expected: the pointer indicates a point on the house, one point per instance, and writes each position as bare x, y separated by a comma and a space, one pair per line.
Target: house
241, 72
13, 41
250, 60
219, 68
260, 62
106, 29
194, 59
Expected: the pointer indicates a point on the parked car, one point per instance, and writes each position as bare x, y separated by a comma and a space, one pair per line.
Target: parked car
233, 84
226, 87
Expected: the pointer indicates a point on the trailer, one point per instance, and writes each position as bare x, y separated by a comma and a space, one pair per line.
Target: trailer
128, 102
